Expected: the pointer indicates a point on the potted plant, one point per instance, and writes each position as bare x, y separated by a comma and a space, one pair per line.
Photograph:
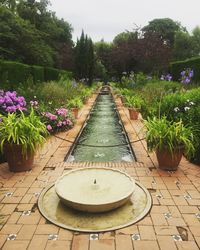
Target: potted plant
170, 140
75, 104
134, 104
20, 137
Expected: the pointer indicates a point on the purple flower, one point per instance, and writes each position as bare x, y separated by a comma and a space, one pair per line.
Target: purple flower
62, 111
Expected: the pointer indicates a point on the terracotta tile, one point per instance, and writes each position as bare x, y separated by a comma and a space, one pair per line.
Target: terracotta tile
3, 239
198, 241
166, 243
145, 221
14, 217
128, 230
8, 209
159, 209
147, 232
167, 202
47, 229
65, 234
123, 242
107, 235
58, 245
166, 230
145, 245
20, 191
174, 211
159, 220
16, 244
26, 232
176, 222
11, 200
102, 244
80, 244
180, 201
187, 245
10, 229
195, 230
191, 220
188, 209
38, 242
33, 219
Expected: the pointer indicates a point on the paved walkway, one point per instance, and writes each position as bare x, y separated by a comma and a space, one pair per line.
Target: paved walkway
173, 222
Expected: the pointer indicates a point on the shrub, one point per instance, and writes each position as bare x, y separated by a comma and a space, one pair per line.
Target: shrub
177, 67
13, 73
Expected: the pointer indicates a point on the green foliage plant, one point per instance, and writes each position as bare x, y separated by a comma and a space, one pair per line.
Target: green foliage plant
134, 102
75, 103
163, 134
25, 130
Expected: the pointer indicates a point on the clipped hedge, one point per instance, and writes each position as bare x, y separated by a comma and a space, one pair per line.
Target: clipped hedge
178, 66
12, 73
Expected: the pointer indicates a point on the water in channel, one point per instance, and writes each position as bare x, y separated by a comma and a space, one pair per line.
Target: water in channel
103, 128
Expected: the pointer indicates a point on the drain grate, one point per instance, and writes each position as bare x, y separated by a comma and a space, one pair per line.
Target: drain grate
135, 237
94, 236
12, 237
52, 237
177, 237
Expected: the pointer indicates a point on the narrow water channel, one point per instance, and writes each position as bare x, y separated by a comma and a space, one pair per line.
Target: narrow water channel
102, 129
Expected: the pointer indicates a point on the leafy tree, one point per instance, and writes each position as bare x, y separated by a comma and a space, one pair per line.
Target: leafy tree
196, 40
183, 46
165, 28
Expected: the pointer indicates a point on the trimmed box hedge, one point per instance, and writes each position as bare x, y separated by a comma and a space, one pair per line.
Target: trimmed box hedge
178, 66
13, 73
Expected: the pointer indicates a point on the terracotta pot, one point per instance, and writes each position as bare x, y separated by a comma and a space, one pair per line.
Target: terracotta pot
75, 112
133, 113
122, 99
17, 161
169, 161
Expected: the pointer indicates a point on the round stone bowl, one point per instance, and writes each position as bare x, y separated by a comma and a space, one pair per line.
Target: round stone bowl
95, 189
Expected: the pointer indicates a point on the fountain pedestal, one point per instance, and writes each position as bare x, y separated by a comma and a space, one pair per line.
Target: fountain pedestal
95, 189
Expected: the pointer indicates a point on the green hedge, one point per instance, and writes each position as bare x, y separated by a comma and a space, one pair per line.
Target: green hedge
193, 63
13, 73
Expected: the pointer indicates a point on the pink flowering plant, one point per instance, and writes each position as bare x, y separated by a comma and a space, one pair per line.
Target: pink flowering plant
10, 102
59, 120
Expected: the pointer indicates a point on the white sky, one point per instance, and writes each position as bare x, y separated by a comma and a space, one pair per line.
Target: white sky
107, 18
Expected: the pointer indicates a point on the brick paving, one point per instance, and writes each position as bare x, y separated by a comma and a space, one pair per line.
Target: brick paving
173, 222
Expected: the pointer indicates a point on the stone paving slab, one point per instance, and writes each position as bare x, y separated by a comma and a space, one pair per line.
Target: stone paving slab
173, 222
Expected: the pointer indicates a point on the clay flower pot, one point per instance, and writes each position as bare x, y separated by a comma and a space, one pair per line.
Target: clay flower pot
17, 161
133, 113
167, 160
75, 112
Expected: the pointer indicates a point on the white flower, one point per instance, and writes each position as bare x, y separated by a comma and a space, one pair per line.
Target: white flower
186, 108
176, 109
191, 103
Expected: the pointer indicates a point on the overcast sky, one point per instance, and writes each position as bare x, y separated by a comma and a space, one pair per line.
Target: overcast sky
107, 18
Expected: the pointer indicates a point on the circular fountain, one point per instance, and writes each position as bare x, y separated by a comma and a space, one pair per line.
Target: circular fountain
95, 189
94, 200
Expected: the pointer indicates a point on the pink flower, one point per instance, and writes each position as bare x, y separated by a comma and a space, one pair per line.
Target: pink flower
59, 124
49, 128
62, 111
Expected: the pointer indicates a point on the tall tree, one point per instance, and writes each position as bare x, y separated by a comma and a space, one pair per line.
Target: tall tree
165, 28
84, 58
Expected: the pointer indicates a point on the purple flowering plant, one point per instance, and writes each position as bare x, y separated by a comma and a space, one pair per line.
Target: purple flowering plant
59, 120
186, 76
10, 102
166, 77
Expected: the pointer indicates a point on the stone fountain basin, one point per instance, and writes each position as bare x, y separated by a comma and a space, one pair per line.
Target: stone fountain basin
95, 189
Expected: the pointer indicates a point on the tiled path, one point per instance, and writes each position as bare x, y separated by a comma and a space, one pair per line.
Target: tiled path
173, 222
